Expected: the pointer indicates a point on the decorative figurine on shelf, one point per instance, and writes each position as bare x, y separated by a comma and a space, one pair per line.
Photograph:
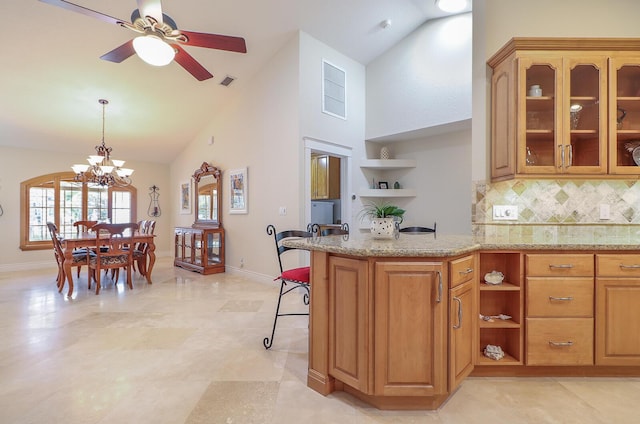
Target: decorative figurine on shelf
396, 185
384, 153
154, 205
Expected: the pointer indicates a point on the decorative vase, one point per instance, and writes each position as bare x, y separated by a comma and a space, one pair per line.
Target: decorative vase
383, 228
384, 153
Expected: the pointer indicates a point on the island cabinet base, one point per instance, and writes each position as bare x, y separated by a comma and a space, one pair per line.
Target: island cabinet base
379, 328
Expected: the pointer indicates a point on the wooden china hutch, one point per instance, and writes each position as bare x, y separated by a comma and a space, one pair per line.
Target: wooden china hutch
200, 247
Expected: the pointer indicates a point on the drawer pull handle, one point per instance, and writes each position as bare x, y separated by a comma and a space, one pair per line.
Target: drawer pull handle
457, 299
561, 344
623, 266
565, 299
466, 271
561, 266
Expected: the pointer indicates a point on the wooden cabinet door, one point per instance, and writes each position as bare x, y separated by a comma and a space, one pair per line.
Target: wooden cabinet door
322, 177
617, 321
584, 114
503, 121
462, 324
348, 321
540, 116
624, 109
410, 300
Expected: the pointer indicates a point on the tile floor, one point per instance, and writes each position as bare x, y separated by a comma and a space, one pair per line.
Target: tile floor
188, 349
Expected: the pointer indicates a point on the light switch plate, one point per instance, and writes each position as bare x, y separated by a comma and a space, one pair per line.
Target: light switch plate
505, 212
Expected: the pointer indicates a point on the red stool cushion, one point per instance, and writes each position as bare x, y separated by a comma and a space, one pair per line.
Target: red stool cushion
297, 274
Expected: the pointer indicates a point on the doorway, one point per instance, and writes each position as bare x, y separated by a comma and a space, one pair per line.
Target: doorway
317, 153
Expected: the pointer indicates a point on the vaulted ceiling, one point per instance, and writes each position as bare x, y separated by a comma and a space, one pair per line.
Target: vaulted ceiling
52, 76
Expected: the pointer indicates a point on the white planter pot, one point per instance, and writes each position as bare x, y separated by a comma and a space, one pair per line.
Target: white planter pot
383, 228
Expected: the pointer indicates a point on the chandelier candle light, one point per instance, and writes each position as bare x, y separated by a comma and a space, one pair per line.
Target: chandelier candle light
103, 170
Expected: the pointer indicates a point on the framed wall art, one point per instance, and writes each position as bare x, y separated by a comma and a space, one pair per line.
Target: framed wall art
185, 197
238, 191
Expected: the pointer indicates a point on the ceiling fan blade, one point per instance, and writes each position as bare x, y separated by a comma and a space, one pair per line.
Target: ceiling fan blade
120, 53
151, 8
83, 10
190, 64
215, 41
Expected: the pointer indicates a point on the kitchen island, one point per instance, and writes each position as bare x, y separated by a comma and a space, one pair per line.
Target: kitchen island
395, 322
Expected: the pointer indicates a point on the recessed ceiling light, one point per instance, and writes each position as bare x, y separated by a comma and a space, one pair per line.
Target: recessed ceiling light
451, 6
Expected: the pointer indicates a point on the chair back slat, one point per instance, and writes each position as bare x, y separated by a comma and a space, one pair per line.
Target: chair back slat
279, 237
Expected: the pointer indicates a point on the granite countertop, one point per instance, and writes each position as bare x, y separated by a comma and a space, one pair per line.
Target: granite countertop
406, 245
439, 245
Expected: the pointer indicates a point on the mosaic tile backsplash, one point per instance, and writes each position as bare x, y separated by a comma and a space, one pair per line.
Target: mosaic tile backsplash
555, 202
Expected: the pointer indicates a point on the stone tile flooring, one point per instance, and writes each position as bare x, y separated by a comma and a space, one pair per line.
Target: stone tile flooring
188, 349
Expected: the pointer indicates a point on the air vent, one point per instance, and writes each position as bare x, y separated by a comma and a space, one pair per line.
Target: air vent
334, 90
227, 80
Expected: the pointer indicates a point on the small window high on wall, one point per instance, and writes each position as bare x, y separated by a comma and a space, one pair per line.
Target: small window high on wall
334, 90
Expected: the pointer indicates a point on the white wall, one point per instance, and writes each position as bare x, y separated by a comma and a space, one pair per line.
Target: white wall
316, 125
423, 81
503, 19
260, 131
17, 165
442, 178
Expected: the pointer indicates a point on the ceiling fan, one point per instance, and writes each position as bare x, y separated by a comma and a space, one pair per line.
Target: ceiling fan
159, 40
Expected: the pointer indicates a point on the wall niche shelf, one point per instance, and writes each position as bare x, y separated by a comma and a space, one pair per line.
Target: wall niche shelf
388, 164
375, 192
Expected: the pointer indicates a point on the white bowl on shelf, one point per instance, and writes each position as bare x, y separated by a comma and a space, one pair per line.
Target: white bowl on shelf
494, 277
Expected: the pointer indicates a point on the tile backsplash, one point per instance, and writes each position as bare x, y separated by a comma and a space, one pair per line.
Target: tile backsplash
557, 202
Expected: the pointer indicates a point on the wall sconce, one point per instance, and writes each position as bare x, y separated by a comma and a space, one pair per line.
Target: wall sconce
154, 205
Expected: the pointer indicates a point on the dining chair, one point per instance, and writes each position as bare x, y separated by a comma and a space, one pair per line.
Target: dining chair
78, 258
117, 254
140, 250
290, 279
83, 227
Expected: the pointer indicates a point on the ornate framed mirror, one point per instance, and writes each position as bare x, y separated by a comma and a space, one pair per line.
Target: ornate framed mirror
208, 196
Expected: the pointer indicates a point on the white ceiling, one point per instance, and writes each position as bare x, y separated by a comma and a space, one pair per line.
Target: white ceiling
51, 76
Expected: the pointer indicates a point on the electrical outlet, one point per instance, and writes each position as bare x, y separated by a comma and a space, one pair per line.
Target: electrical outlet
505, 212
605, 212
282, 210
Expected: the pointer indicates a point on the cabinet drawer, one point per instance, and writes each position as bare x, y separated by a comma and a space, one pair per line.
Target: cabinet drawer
554, 297
618, 265
559, 341
462, 270
550, 265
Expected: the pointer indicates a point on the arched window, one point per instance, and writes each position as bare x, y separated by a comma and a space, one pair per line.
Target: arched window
58, 198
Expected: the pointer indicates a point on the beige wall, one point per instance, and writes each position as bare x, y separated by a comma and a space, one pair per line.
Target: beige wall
17, 165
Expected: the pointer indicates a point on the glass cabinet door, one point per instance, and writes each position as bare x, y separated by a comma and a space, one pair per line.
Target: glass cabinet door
624, 116
538, 117
214, 246
584, 116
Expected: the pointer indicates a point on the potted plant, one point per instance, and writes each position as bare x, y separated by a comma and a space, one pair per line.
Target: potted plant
384, 218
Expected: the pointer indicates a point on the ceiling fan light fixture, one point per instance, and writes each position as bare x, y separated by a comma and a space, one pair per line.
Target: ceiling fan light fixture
451, 6
153, 50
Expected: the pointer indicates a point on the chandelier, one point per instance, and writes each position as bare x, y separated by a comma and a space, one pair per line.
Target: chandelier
103, 170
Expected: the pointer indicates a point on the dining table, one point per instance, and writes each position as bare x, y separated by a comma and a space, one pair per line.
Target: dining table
90, 240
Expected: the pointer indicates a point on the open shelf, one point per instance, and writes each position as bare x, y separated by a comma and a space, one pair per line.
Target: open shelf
388, 164
499, 287
376, 192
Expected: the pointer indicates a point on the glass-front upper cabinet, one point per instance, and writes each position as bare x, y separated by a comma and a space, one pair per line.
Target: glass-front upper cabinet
624, 115
538, 118
564, 115
585, 115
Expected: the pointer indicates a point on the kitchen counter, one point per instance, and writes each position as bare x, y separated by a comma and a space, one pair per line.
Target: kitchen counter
437, 245
386, 324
